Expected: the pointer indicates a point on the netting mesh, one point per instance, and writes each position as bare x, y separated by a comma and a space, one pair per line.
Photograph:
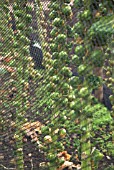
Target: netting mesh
56, 84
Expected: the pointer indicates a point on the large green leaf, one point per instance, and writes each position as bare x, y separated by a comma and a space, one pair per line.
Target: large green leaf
105, 25
102, 29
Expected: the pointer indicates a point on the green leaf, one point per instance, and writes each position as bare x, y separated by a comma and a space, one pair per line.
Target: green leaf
101, 30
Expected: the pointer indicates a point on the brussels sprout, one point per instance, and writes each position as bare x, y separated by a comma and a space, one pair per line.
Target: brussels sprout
15, 44
84, 92
25, 40
58, 22
19, 13
48, 139
61, 38
65, 86
80, 50
59, 146
66, 71
62, 133
75, 105
54, 47
86, 15
63, 55
56, 64
54, 32
55, 6
28, 18
55, 55
74, 80
51, 157
55, 95
55, 79
75, 59
29, 8
78, 28
66, 10
53, 14
45, 130
71, 97
64, 102
81, 69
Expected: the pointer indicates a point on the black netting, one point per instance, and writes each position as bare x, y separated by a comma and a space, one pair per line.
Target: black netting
56, 84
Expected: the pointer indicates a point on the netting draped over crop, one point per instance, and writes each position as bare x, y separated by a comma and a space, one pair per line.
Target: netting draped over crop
56, 84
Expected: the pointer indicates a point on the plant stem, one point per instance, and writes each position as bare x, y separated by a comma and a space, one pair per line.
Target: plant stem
85, 143
19, 151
